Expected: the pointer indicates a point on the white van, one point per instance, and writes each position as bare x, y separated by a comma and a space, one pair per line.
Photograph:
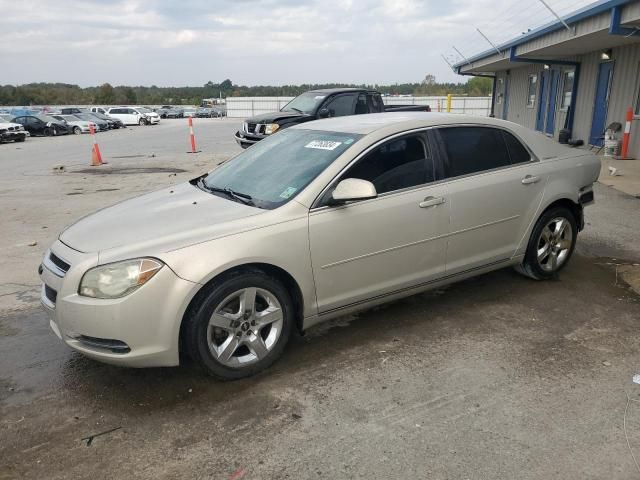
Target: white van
102, 110
133, 115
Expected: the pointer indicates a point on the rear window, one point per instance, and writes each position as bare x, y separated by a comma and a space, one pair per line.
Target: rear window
517, 151
473, 149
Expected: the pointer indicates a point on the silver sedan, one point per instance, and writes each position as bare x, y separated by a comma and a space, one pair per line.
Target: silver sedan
316, 221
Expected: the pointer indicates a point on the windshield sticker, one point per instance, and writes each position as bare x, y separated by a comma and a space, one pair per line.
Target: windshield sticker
288, 192
348, 141
318, 97
323, 144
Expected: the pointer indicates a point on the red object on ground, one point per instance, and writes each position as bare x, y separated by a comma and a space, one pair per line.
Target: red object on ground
96, 156
627, 135
192, 136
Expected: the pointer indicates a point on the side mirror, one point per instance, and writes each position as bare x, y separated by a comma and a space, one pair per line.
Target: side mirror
323, 113
352, 189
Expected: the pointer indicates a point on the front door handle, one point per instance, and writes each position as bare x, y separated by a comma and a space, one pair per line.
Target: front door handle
431, 202
530, 179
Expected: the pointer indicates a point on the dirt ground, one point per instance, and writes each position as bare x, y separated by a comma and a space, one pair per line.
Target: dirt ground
497, 377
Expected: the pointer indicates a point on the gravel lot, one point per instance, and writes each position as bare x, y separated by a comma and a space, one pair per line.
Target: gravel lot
495, 377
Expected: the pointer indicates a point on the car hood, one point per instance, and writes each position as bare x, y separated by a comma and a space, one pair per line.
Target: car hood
173, 217
276, 116
9, 124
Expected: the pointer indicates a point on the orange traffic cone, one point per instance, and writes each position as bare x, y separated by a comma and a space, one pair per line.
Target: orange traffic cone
96, 156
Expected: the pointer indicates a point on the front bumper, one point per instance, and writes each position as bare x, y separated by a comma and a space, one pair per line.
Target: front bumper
153, 120
13, 136
245, 140
138, 330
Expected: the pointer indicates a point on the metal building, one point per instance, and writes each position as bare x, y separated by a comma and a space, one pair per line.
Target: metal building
582, 71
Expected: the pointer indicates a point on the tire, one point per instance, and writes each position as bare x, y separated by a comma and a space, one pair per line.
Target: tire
77, 130
551, 244
21, 139
46, 132
238, 346
141, 122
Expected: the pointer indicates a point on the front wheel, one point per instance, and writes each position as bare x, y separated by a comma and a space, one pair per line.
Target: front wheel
77, 130
142, 122
241, 326
551, 244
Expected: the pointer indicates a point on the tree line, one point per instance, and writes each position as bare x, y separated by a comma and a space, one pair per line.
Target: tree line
106, 94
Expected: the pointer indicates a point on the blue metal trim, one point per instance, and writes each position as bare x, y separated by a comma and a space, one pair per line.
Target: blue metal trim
614, 26
579, 15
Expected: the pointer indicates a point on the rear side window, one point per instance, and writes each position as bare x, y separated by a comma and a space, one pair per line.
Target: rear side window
473, 149
517, 152
398, 164
375, 102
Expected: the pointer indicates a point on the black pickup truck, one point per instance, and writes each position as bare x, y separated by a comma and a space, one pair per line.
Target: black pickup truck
316, 104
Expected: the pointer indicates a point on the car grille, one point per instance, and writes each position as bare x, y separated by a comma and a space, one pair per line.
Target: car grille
50, 293
58, 262
256, 128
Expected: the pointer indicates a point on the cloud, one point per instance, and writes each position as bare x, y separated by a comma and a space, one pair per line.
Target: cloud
164, 42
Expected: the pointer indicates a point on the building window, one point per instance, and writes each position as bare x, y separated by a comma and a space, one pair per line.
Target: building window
567, 88
532, 90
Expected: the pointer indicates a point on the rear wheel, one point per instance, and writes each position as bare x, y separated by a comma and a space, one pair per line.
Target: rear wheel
551, 244
241, 326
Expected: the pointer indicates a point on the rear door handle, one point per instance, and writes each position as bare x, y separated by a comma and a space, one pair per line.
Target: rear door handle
431, 202
530, 179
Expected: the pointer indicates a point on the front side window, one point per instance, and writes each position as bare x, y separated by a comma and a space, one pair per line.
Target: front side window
567, 89
397, 164
532, 90
375, 102
473, 149
276, 169
341, 105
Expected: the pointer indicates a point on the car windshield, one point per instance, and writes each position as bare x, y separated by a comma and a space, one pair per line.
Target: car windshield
275, 170
305, 103
143, 110
68, 118
84, 116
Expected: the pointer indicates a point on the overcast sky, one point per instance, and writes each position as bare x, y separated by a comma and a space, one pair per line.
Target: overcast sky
252, 42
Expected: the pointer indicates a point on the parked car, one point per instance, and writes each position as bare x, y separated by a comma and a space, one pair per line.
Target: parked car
152, 117
134, 115
102, 110
316, 104
113, 122
169, 111
75, 124
11, 132
42, 125
207, 112
189, 112
223, 268
103, 125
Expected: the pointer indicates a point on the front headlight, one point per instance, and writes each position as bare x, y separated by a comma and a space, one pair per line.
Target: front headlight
271, 128
116, 280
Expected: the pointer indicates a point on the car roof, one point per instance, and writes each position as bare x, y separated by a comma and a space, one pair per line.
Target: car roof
329, 91
368, 123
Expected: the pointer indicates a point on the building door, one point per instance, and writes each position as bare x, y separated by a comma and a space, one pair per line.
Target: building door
551, 104
603, 87
542, 103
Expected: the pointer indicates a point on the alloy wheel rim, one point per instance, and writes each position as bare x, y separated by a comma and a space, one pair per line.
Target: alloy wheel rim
245, 327
554, 244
